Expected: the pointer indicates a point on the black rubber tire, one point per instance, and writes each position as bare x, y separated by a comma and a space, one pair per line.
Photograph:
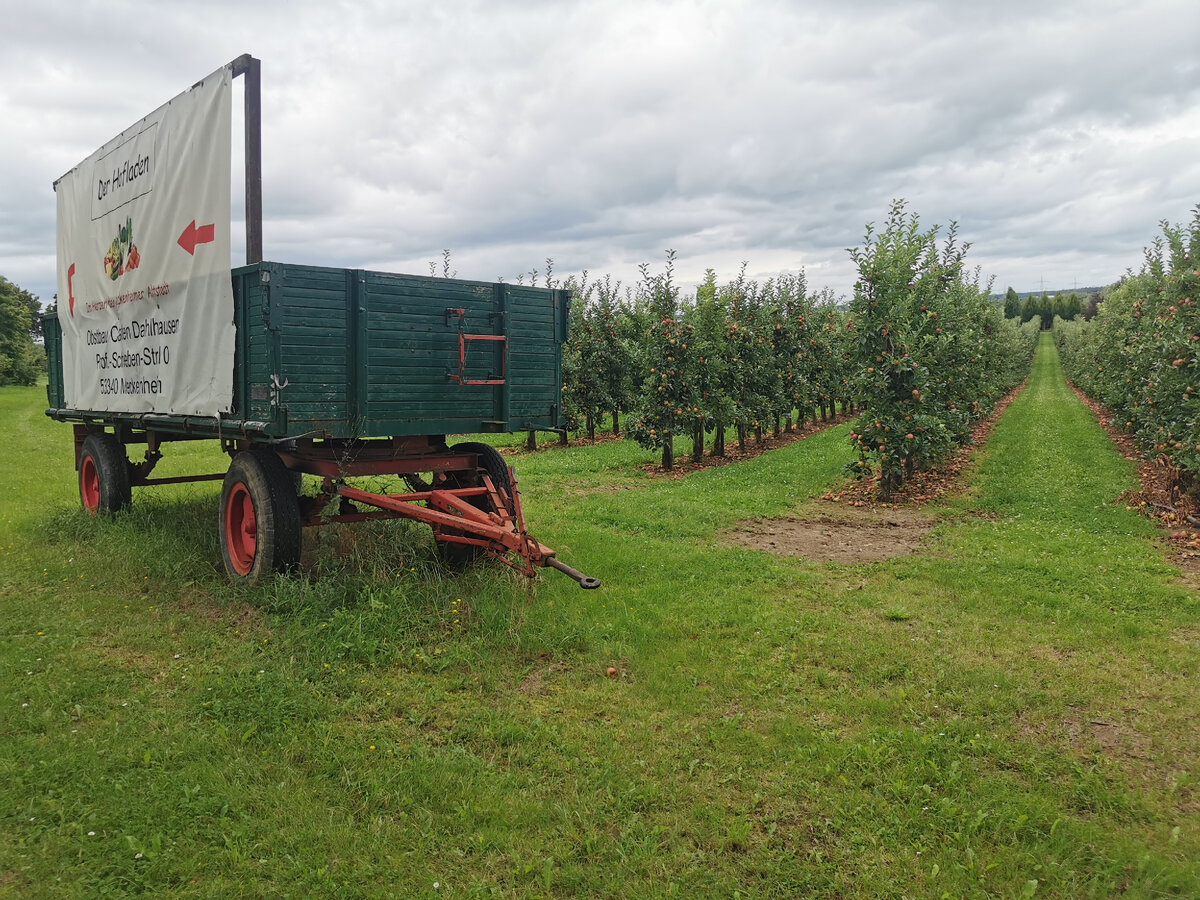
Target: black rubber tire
458, 556
297, 477
103, 475
260, 528
491, 462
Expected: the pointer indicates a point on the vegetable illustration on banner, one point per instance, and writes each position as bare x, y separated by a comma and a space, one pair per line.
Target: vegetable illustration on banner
122, 255
143, 262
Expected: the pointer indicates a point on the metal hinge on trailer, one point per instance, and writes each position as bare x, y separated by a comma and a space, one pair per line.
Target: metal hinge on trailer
460, 378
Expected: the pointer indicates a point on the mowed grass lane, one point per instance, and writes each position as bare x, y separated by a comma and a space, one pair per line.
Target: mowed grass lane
778, 726
1056, 650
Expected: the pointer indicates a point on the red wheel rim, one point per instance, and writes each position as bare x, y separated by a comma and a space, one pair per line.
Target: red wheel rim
89, 485
241, 534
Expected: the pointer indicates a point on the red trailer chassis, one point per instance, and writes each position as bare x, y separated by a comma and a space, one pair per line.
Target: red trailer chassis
472, 502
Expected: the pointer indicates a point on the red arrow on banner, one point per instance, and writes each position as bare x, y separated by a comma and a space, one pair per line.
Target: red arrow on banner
192, 236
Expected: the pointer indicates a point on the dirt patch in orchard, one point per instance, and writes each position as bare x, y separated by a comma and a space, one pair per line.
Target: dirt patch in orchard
1113, 738
238, 615
1085, 736
856, 525
850, 536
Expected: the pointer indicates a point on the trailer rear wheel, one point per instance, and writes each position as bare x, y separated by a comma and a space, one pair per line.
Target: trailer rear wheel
492, 463
260, 517
103, 474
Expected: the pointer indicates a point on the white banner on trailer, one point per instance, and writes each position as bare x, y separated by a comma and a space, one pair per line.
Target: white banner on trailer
145, 298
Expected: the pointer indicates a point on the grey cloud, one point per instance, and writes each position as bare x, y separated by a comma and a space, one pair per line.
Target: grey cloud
601, 133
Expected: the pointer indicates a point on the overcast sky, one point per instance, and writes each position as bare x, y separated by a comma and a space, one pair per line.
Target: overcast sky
1058, 134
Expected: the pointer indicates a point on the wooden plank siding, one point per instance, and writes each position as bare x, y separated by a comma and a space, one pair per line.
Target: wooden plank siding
373, 354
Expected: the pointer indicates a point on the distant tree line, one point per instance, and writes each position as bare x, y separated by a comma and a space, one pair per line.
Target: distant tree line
1067, 307
21, 360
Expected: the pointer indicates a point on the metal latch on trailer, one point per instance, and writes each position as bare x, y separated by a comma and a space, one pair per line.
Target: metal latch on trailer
463, 337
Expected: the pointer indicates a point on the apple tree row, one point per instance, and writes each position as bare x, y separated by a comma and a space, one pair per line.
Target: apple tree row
1140, 355
931, 352
744, 355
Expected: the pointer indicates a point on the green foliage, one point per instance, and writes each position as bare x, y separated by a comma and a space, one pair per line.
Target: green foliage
1032, 306
612, 328
583, 392
748, 354
1064, 306
753, 373
715, 377
21, 361
598, 358
1012, 304
1140, 354
669, 400
833, 363
809, 333
1069, 307
932, 352
575, 395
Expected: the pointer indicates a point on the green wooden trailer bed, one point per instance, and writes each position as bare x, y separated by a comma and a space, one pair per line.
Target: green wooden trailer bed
346, 372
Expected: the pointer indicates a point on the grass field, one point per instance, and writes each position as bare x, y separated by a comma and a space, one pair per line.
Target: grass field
1011, 712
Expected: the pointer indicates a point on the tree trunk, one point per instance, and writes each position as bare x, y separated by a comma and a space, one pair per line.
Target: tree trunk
591, 427
562, 437
788, 423
758, 434
824, 412
777, 425
698, 441
531, 440
741, 437
616, 422
718, 447
668, 454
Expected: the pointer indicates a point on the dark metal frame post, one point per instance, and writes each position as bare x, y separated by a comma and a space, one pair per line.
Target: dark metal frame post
249, 67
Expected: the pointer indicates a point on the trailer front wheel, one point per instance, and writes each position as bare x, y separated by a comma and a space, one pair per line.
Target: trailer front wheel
260, 517
103, 474
457, 556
